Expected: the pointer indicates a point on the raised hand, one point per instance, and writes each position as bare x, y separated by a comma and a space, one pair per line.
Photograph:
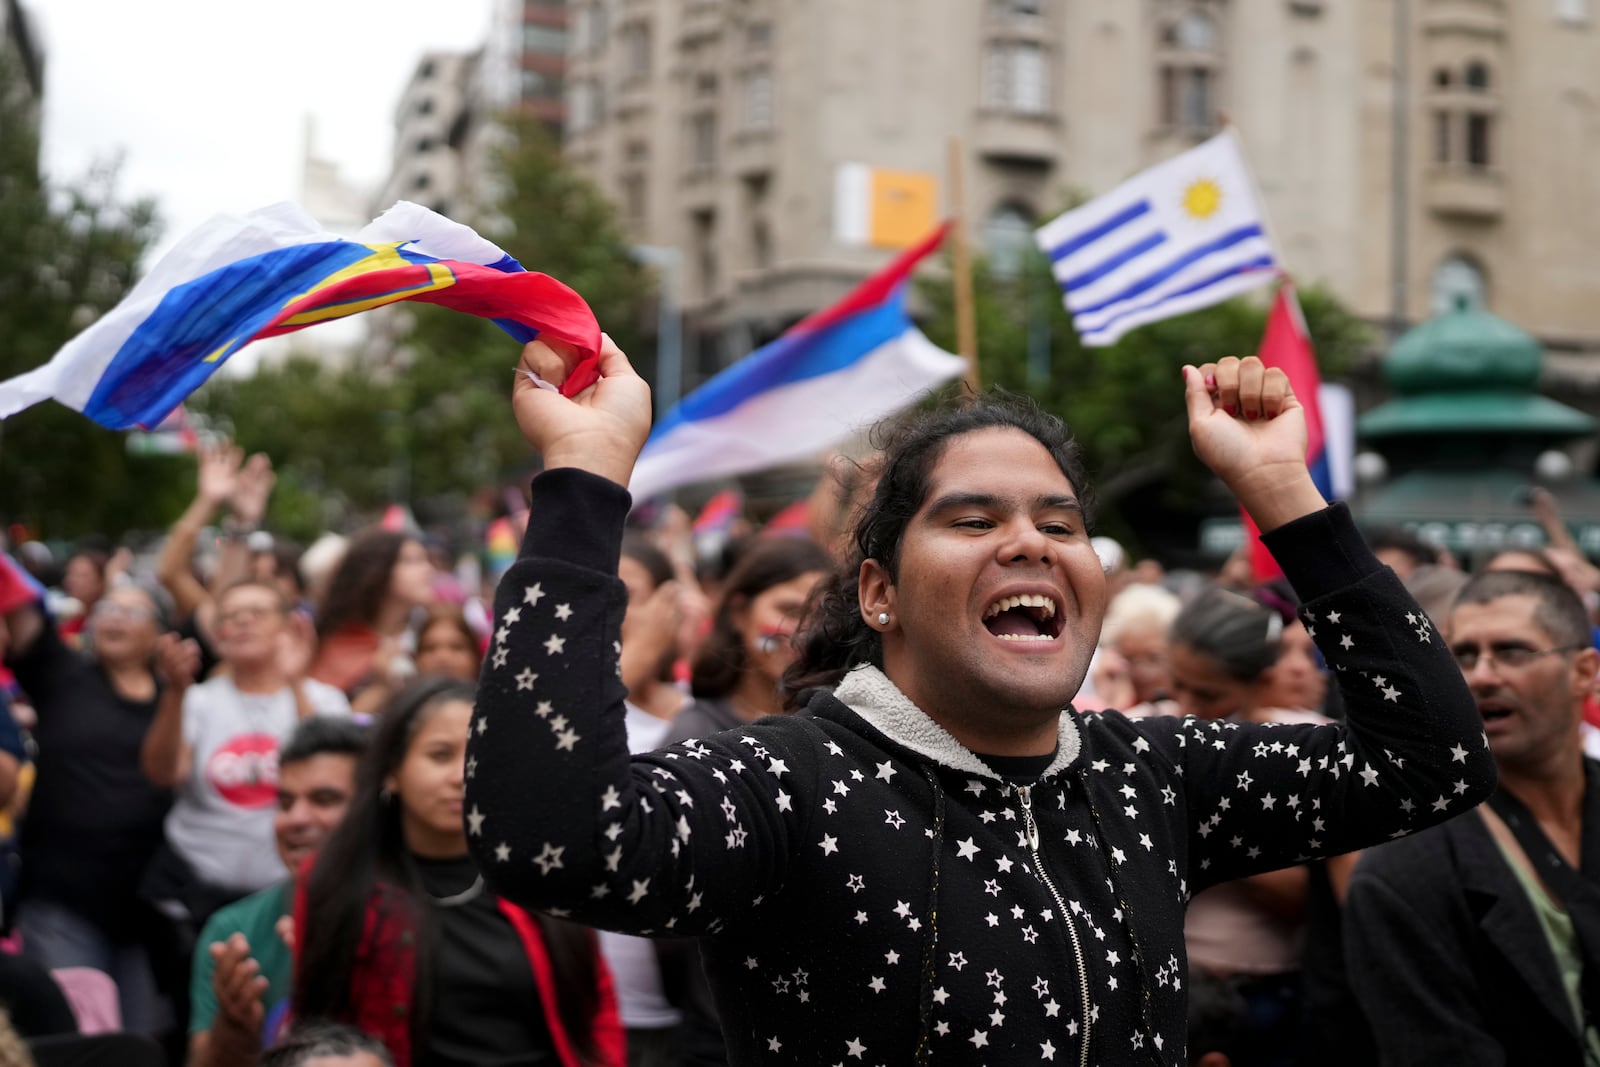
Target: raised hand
177, 661
237, 982
1248, 427
252, 486
219, 470
601, 430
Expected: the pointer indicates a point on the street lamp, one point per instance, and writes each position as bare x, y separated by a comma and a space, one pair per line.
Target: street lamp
668, 262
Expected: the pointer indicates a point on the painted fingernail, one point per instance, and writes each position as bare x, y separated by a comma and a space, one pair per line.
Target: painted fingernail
1211, 381
1230, 409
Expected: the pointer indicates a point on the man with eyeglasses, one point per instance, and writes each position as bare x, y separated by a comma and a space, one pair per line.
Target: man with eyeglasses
218, 748
1478, 941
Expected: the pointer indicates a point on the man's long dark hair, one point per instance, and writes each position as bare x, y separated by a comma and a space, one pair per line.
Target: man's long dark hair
835, 637
365, 863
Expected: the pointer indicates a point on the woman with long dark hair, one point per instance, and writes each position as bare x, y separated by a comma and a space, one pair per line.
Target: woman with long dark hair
396, 933
363, 624
737, 670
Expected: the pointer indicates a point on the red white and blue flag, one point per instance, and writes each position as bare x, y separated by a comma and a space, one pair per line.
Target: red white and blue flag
18, 588
826, 379
1286, 344
237, 280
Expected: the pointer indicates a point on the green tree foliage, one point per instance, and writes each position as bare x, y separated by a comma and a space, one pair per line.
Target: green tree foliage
1124, 402
72, 251
436, 423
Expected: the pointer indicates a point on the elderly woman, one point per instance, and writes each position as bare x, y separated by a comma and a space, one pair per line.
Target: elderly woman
94, 820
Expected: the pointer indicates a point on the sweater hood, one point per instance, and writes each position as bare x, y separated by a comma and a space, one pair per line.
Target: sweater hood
869, 693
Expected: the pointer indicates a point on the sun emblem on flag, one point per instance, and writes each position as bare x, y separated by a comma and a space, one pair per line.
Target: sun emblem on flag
1202, 199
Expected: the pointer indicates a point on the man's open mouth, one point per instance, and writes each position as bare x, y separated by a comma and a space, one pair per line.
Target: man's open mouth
1026, 617
1494, 712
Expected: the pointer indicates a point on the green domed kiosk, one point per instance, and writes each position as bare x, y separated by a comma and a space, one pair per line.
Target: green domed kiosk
1467, 434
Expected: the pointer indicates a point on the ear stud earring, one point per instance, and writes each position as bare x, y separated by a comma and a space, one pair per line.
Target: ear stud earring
883, 618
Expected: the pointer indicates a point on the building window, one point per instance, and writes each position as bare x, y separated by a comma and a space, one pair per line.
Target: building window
544, 40
705, 84
589, 29
758, 99
421, 181
583, 106
704, 228
633, 197
424, 145
758, 35
703, 140
635, 51
1016, 10
1007, 236
1478, 137
1458, 282
539, 85
1190, 60
425, 106
1017, 77
1441, 136
1464, 116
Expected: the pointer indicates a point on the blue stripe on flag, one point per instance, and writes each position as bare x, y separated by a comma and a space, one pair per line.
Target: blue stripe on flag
1132, 252
793, 357
1090, 236
1172, 267
1258, 263
164, 360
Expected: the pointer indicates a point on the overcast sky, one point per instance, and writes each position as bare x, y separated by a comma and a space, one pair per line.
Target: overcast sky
206, 100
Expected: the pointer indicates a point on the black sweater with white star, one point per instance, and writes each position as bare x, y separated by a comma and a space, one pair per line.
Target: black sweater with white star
870, 892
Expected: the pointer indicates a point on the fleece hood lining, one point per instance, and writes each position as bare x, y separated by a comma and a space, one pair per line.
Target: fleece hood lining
869, 693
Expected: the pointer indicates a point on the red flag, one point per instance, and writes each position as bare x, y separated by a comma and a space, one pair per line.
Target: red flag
1286, 344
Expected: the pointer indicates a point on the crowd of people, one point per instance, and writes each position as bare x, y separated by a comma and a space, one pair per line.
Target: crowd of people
803, 798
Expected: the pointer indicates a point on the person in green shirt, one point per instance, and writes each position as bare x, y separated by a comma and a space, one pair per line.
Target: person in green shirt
242, 964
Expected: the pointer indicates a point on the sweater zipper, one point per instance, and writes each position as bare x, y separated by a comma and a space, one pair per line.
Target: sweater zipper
1031, 828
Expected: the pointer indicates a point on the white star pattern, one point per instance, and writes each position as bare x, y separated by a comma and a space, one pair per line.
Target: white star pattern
1290, 770
550, 858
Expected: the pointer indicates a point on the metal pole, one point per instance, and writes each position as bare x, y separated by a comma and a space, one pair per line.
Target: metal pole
1399, 249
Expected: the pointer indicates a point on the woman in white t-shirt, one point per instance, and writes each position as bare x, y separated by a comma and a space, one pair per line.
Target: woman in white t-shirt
220, 752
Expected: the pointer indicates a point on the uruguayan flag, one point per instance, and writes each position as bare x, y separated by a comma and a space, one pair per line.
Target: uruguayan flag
1185, 234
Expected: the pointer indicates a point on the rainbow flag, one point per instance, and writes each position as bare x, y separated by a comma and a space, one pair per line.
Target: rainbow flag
274, 271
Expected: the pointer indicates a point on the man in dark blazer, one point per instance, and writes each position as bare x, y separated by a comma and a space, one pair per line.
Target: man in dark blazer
1478, 941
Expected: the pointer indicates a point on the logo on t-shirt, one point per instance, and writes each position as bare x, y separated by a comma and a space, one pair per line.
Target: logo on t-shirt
244, 770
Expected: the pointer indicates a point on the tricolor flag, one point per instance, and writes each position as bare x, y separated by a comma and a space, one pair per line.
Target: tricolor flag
719, 514
236, 280
1183, 235
18, 588
1286, 344
831, 375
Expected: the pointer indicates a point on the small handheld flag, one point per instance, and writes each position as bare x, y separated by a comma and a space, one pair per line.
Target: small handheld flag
1183, 235
236, 280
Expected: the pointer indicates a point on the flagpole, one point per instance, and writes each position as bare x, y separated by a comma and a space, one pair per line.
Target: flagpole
1284, 277
961, 262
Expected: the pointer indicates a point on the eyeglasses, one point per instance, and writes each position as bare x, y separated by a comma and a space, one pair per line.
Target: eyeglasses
111, 609
246, 614
1507, 654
